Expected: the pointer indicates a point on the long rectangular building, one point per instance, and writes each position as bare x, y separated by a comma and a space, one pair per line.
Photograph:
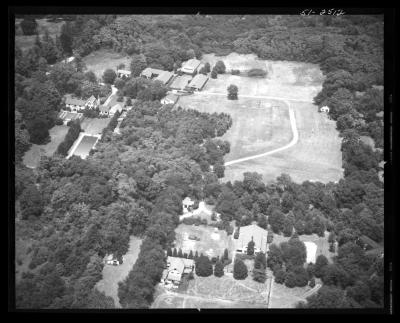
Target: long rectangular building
198, 82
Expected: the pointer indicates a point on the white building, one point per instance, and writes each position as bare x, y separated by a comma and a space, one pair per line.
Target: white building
123, 73
190, 67
324, 109
187, 204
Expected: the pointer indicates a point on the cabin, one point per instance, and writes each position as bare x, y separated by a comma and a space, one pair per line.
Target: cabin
198, 82
324, 109
170, 99
75, 104
123, 74
150, 73
255, 233
190, 67
165, 77
187, 204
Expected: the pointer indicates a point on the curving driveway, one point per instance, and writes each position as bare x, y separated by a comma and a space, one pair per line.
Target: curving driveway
290, 144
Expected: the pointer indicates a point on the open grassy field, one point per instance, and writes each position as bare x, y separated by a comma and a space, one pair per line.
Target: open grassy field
26, 42
114, 274
321, 242
94, 126
291, 80
103, 59
316, 156
32, 156
212, 243
258, 125
285, 297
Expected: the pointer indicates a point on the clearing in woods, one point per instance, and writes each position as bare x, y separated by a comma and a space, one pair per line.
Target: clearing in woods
261, 124
32, 156
103, 59
114, 274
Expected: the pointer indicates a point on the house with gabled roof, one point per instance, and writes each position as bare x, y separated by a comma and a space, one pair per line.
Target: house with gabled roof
92, 102
74, 103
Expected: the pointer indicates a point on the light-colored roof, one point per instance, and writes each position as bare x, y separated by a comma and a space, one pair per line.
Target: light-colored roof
69, 99
259, 237
198, 81
116, 108
190, 65
181, 82
104, 108
187, 201
164, 77
124, 72
379, 114
92, 99
176, 263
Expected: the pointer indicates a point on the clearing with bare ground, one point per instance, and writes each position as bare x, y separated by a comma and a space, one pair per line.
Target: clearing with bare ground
114, 274
211, 243
103, 59
261, 123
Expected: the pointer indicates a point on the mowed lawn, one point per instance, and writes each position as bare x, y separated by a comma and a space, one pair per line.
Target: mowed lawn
103, 59
211, 243
258, 125
114, 274
32, 156
291, 80
316, 156
94, 126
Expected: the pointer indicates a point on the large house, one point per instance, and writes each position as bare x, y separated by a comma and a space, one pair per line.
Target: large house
150, 73
255, 233
176, 267
198, 82
180, 82
165, 77
75, 104
123, 74
190, 67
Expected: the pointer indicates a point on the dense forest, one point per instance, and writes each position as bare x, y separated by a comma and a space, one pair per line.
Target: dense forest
76, 211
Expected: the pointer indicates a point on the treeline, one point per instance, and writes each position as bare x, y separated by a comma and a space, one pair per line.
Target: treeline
72, 134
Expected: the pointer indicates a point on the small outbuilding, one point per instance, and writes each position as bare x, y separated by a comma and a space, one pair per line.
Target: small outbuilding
123, 74
187, 204
324, 109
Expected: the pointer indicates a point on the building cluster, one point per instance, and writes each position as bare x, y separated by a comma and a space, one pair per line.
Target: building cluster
185, 80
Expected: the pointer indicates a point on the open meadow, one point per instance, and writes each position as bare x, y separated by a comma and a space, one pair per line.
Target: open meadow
211, 243
94, 126
114, 274
261, 120
103, 59
316, 156
32, 156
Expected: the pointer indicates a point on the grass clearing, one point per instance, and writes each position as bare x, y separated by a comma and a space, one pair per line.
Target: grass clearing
212, 243
94, 126
316, 156
258, 125
285, 297
32, 156
103, 59
114, 274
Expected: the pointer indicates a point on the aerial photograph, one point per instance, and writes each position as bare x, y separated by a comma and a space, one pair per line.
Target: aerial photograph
198, 161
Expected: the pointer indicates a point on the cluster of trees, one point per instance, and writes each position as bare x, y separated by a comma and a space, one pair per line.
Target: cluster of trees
70, 137
256, 72
233, 92
143, 89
